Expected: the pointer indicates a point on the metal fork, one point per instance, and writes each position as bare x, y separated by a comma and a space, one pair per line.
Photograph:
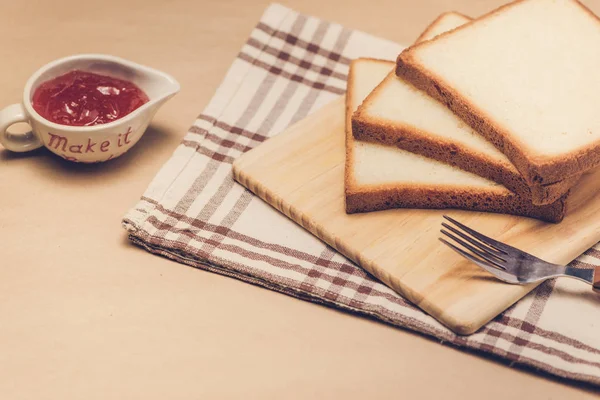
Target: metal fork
508, 263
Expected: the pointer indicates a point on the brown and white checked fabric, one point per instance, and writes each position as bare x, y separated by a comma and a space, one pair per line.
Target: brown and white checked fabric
193, 211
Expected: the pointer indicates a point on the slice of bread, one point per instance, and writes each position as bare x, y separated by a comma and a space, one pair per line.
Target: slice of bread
525, 77
379, 177
398, 114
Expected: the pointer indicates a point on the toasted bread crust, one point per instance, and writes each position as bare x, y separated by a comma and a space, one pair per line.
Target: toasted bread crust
536, 172
381, 197
386, 197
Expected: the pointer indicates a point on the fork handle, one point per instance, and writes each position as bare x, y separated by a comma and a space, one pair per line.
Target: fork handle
589, 275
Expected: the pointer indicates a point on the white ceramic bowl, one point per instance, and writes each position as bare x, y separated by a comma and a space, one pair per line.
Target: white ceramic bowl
95, 143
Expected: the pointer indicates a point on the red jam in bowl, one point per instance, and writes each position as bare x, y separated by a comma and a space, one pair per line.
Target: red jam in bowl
81, 98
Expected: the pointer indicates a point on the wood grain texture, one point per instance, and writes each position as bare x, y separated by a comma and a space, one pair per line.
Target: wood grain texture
401, 247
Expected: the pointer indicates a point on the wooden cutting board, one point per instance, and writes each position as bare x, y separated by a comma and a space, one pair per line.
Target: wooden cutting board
300, 172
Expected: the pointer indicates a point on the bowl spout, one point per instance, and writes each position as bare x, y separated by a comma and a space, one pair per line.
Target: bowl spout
158, 85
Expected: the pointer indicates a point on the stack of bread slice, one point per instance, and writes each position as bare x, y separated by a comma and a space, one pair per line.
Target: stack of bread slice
494, 114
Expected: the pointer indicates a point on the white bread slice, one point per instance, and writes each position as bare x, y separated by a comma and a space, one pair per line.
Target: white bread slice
379, 177
398, 114
525, 77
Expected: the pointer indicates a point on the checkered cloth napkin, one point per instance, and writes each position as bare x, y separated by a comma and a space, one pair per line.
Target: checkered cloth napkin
193, 211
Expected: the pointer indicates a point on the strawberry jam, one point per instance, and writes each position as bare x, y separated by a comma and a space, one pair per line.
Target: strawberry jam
84, 99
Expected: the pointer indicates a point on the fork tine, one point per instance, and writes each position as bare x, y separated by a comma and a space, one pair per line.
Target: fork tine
487, 240
482, 254
465, 254
498, 273
476, 242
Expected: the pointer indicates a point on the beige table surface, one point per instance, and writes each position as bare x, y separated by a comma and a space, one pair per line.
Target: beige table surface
86, 315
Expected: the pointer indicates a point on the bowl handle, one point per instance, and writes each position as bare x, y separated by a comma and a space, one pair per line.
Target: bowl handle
17, 143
